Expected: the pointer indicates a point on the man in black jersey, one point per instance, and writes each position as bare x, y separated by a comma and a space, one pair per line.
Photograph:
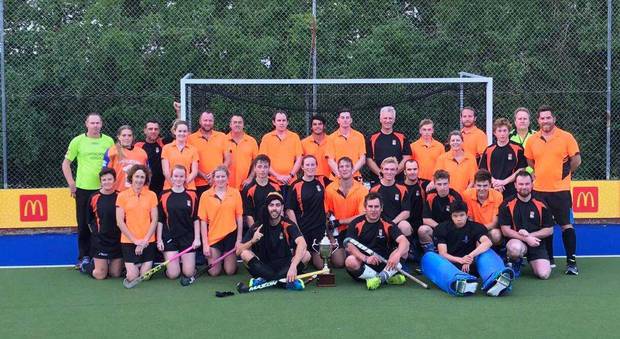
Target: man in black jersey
381, 236
386, 143
503, 159
396, 202
436, 208
255, 193
526, 222
274, 248
152, 145
105, 235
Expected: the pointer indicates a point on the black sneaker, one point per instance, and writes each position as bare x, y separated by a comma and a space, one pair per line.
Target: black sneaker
571, 269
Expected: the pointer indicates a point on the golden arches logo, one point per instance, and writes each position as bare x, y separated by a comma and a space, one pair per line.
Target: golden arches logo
33, 207
586, 199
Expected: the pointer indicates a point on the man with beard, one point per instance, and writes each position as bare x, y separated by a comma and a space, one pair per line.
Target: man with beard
474, 139
316, 144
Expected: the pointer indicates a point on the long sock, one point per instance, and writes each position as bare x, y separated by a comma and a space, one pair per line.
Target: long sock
258, 269
365, 272
570, 244
549, 246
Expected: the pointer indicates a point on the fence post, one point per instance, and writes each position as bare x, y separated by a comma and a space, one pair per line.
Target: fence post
5, 149
608, 110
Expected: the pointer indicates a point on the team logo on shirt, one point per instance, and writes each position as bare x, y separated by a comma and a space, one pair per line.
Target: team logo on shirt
393, 142
156, 149
380, 235
318, 188
466, 239
531, 214
396, 196
281, 237
189, 203
448, 208
509, 156
417, 193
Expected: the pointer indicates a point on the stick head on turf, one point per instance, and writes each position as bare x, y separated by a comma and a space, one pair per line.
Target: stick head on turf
130, 284
242, 288
185, 281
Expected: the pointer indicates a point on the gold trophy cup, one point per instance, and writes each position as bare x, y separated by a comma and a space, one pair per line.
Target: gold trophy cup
324, 249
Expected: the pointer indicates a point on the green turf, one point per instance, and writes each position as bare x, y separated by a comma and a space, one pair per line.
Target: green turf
61, 303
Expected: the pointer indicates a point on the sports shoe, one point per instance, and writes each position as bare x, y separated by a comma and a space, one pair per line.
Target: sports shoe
464, 287
396, 279
296, 285
85, 261
571, 269
552, 262
256, 281
373, 283
430, 247
502, 283
516, 267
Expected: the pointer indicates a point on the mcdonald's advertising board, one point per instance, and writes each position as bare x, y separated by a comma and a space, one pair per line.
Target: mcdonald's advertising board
54, 207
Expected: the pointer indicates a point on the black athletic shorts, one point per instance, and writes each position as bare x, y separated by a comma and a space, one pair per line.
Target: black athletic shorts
559, 204
227, 243
535, 253
129, 253
310, 235
179, 243
105, 249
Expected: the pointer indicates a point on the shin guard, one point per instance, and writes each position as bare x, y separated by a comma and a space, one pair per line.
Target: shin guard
490, 266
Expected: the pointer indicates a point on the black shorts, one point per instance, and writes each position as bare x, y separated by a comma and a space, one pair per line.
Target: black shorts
535, 253
227, 243
129, 253
310, 235
559, 204
105, 249
179, 243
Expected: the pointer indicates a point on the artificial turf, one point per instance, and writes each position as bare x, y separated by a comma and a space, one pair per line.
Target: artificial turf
61, 303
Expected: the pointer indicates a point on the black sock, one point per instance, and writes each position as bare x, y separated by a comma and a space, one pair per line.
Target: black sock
549, 246
259, 270
570, 244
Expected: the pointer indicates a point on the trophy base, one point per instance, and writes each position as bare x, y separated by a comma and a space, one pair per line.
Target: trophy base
326, 280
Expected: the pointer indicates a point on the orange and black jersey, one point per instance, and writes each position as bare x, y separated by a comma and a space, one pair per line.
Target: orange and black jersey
438, 208
459, 241
503, 161
278, 242
102, 218
153, 153
531, 216
380, 146
307, 200
395, 199
417, 195
379, 236
177, 212
254, 195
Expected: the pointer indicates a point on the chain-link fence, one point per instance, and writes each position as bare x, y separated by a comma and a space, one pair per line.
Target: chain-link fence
124, 59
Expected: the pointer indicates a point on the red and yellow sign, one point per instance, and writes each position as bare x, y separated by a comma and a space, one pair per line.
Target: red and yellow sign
596, 199
37, 208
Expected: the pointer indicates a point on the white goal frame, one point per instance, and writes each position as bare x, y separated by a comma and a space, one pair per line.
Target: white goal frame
464, 78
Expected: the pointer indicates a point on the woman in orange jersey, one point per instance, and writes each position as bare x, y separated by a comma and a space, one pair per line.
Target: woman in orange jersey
179, 152
221, 223
123, 155
458, 163
178, 226
136, 216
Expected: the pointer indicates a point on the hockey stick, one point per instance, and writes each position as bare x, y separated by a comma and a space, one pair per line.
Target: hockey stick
243, 288
149, 273
368, 251
188, 281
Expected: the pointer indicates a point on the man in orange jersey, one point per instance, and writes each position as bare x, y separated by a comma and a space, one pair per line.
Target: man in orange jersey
554, 155
212, 150
316, 144
344, 201
243, 149
483, 203
426, 150
474, 139
387, 143
346, 142
284, 149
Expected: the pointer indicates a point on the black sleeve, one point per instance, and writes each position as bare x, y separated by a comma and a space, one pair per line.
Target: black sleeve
291, 199
351, 230
522, 163
427, 212
248, 202
247, 236
478, 231
369, 153
405, 202
406, 145
504, 218
160, 212
483, 161
92, 218
294, 233
394, 233
441, 233
456, 195
195, 210
547, 218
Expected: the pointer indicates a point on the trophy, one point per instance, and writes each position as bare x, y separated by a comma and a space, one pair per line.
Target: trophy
324, 249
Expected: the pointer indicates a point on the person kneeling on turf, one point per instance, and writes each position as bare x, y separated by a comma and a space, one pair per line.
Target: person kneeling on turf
380, 236
464, 248
267, 247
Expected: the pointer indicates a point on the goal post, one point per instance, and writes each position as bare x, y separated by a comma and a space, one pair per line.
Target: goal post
187, 82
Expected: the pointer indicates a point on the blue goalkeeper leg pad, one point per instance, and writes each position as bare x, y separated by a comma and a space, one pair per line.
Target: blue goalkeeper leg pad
491, 268
446, 276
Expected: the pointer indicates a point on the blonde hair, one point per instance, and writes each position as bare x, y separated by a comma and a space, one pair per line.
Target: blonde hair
389, 160
117, 145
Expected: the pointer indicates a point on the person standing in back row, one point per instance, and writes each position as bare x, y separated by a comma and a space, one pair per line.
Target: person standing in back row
88, 149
